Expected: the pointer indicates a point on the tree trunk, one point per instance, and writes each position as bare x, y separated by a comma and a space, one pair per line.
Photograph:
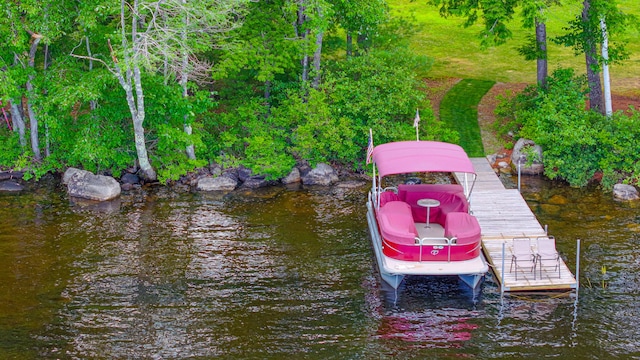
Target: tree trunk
302, 18
362, 45
267, 90
305, 60
605, 68
595, 85
147, 171
135, 102
18, 121
47, 137
33, 119
542, 63
349, 44
316, 60
593, 75
190, 149
17, 116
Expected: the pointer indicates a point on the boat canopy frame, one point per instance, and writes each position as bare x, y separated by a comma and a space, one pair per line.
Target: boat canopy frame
405, 157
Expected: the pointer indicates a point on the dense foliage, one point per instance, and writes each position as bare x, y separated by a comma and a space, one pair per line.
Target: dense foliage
254, 107
169, 86
577, 143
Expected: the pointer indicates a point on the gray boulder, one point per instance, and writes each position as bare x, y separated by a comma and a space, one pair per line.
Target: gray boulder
129, 181
251, 181
322, 174
86, 185
293, 177
256, 182
6, 175
10, 186
215, 170
492, 158
244, 173
129, 178
625, 192
220, 183
71, 172
524, 152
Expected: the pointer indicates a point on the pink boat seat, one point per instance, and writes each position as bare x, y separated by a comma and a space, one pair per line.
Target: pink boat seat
396, 222
463, 226
387, 196
450, 196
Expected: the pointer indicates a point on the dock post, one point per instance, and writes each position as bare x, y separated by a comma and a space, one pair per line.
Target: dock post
578, 266
519, 177
520, 160
502, 274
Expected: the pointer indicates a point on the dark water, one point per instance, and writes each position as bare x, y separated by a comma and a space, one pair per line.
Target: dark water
289, 273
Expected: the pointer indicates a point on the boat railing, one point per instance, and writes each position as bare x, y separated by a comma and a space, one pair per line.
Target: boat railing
437, 244
374, 198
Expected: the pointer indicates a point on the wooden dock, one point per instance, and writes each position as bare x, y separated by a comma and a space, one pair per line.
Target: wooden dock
503, 214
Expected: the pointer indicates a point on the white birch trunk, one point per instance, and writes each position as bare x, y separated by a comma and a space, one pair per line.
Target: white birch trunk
33, 119
317, 55
135, 101
18, 121
47, 137
302, 19
191, 153
605, 68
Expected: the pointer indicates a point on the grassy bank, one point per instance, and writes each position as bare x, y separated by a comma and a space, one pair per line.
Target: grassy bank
457, 51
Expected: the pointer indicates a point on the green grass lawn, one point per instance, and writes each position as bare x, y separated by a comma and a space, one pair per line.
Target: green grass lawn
457, 51
459, 110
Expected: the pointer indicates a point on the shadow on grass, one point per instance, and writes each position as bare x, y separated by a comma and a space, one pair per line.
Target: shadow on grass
459, 110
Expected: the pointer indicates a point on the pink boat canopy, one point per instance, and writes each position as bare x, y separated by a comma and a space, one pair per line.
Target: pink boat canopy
420, 156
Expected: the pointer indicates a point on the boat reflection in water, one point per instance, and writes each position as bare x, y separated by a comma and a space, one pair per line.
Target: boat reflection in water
429, 312
429, 329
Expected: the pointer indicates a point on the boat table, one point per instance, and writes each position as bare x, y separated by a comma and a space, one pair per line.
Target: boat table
428, 203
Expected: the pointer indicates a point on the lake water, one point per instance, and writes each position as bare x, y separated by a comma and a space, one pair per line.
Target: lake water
290, 273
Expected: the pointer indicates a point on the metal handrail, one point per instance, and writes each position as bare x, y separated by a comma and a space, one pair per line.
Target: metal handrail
449, 243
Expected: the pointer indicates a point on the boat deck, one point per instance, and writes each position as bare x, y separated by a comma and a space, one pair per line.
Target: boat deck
503, 215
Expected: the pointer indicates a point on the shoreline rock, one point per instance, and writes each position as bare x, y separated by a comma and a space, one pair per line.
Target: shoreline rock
216, 179
529, 156
86, 185
625, 192
10, 186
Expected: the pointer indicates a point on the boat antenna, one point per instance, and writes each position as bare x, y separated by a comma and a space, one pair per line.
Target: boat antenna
416, 124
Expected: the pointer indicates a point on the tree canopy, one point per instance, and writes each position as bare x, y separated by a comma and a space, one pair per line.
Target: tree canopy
166, 87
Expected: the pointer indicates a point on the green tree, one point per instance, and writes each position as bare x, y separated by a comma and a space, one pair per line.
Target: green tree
534, 15
577, 142
360, 18
495, 16
153, 35
312, 22
24, 28
585, 36
266, 49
